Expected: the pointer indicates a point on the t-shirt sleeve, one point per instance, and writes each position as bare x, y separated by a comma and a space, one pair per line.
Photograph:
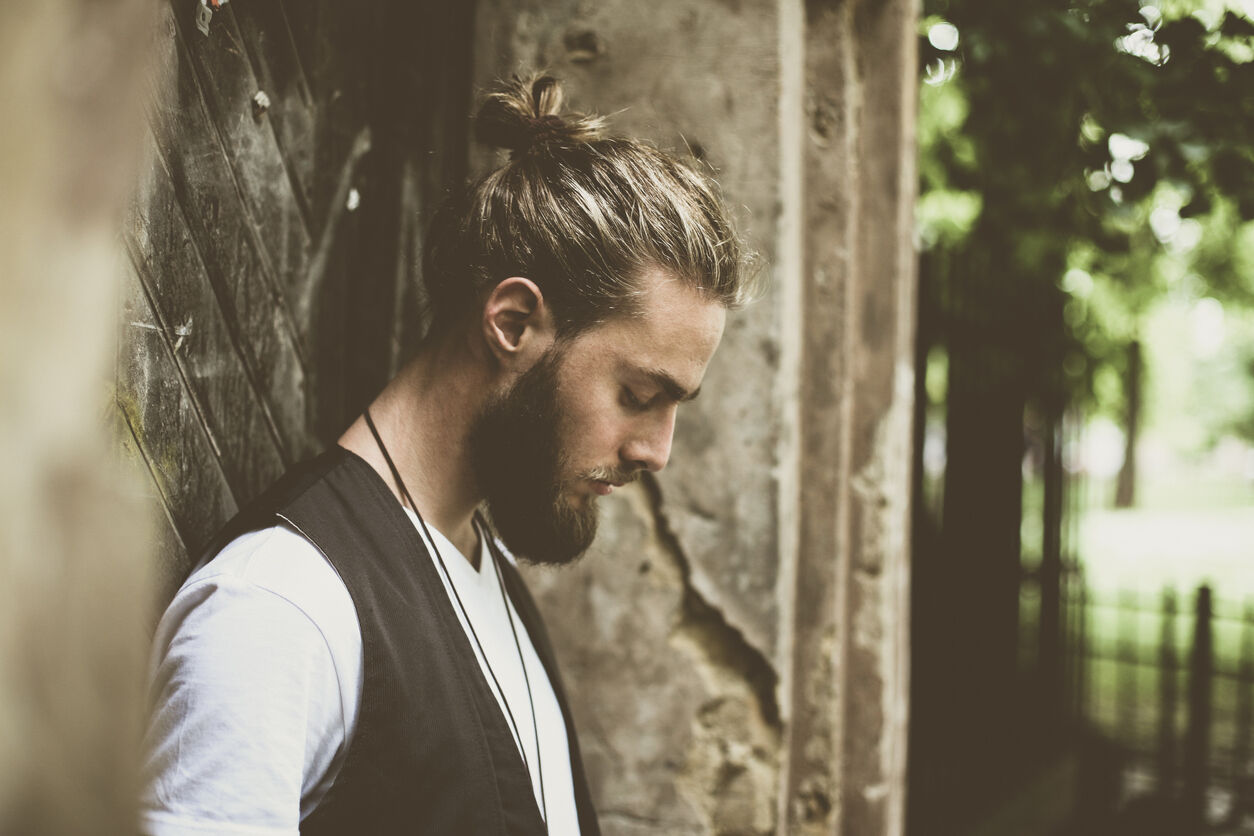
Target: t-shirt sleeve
244, 690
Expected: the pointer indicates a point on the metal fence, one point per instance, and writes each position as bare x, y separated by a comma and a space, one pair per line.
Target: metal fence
1170, 682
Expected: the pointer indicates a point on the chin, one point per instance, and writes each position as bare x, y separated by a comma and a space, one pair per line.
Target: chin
558, 538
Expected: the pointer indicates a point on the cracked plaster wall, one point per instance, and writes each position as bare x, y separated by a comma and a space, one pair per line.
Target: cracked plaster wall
735, 643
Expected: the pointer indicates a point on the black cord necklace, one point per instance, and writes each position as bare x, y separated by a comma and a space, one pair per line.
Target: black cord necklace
481, 528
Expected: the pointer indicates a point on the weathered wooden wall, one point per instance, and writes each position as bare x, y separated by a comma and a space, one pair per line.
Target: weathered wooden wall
271, 281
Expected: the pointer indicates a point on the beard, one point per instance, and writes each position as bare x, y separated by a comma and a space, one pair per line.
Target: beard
516, 454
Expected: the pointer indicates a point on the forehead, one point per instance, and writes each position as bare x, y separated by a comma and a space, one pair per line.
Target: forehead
675, 331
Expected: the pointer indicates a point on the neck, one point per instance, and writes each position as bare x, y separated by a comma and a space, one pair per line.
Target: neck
424, 417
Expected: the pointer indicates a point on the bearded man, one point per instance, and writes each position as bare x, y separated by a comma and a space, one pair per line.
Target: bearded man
360, 655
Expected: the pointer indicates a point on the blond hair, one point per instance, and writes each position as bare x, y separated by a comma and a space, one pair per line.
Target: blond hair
582, 214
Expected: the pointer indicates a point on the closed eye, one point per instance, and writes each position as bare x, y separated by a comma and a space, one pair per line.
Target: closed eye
629, 400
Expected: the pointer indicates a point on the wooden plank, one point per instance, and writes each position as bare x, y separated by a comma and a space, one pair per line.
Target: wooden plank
411, 311
340, 60
218, 67
203, 183
168, 429
306, 21
205, 348
172, 562
263, 27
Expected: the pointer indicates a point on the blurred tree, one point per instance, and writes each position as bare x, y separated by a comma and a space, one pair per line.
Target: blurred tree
1125, 487
1064, 148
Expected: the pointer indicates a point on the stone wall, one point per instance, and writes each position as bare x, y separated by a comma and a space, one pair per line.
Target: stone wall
736, 645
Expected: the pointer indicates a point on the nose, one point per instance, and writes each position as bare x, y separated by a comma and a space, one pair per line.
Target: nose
649, 445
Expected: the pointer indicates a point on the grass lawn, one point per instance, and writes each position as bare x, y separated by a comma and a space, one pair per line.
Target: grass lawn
1181, 535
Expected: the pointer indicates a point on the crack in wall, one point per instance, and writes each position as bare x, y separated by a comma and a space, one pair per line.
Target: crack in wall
724, 644
655, 825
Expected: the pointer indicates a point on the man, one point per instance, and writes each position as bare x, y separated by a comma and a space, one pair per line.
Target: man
362, 656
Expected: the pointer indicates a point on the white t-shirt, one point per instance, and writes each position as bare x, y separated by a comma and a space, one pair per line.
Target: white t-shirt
256, 677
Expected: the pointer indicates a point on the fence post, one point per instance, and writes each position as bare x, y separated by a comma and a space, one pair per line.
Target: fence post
1245, 718
1049, 624
1197, 738
1167, 697
1081, 647
1127, 669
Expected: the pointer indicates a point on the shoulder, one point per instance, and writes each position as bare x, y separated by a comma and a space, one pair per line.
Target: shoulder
272, 578
255, 681
264, 557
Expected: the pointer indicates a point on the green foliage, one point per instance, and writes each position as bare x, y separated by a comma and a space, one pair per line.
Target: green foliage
1098, 149
946, 216
1204, 356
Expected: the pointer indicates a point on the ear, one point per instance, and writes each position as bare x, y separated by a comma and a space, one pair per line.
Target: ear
517, 325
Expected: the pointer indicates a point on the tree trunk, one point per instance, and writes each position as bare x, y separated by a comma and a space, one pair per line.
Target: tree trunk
1049, 663
1125, 487
979, 589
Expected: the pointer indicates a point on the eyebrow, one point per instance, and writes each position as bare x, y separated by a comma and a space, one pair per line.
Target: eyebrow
673, 388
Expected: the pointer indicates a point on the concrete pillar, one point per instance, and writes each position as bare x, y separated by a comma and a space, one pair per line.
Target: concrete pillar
850, 665
736, 645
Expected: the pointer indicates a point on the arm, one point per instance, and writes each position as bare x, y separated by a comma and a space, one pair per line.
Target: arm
247, 714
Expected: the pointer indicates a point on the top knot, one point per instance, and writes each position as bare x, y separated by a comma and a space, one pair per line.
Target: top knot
525, 113
547, 129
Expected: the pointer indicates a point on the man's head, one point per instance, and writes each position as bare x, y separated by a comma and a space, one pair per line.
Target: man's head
582, 214
597, 271
592, 412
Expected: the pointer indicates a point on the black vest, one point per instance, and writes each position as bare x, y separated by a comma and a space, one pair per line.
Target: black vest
432, 752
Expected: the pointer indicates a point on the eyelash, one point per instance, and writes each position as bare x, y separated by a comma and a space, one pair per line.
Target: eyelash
632, 402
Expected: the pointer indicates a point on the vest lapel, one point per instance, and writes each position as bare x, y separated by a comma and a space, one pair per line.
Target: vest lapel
352, 516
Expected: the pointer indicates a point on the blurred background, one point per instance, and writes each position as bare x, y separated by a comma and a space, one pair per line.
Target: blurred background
1084, 403
957, 541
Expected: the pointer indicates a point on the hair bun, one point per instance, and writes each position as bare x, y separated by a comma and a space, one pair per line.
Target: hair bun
525, 113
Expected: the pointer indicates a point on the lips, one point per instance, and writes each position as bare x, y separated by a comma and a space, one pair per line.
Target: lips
605, 488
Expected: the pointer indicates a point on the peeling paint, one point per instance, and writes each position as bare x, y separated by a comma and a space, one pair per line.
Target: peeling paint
182, 332
731, 770
725, 645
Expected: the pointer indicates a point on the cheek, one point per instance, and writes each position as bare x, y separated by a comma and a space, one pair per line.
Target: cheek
593, 424
591, 433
